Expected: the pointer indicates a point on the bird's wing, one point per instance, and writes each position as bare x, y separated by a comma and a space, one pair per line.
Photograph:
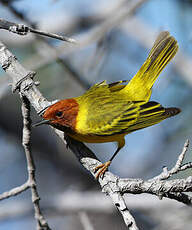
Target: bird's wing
120, 117
107, 116
107, 112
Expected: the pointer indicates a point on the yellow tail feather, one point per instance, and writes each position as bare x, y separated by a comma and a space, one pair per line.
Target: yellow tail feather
163, 50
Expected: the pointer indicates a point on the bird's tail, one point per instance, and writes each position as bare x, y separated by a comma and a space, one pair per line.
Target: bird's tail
163, 50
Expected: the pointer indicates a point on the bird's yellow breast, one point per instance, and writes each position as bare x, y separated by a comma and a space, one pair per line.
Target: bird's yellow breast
81, 119
97, 139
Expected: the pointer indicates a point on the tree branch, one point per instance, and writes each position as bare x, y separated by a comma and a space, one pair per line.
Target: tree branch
31, 182
172, 189
178, 165
15, 191
21, 29
41, 222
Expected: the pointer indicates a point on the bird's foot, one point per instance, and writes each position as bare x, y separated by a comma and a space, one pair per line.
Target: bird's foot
102, 168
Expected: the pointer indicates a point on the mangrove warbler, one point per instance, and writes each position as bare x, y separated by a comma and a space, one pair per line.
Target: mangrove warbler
108, 112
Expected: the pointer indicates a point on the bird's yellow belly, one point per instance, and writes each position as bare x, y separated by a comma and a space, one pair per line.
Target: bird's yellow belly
97, 138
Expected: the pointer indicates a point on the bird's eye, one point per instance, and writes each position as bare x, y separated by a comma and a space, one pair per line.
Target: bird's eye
59, 114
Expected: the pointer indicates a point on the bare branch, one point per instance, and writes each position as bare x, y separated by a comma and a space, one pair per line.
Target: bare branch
178, 166
41, 222
156, 187
172, 189
21, 29
15, 191
31, 183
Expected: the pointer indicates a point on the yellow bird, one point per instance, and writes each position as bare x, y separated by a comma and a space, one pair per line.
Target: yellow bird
108, 112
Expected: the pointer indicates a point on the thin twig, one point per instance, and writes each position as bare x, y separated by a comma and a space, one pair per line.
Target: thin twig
178, 166
21, 29
41, 222
51, 35
31, 182
15, 191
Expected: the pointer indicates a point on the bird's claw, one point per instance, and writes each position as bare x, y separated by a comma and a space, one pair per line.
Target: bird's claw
102, 168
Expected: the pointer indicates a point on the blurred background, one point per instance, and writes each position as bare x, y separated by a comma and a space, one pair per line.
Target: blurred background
70, 197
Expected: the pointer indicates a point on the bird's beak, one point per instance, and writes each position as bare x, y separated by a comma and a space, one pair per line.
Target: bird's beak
42, 122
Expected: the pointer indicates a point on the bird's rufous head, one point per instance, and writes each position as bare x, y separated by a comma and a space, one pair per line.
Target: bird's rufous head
61, 114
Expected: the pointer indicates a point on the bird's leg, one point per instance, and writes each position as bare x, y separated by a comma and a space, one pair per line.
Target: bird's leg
102, 168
